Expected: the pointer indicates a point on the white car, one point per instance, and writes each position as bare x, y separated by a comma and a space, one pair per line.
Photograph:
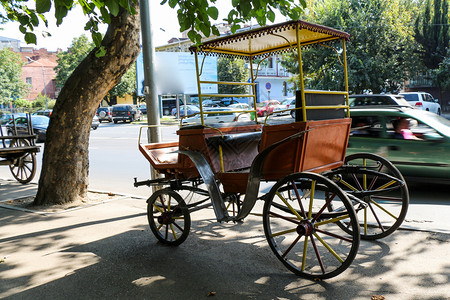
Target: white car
218, 115
239, 106
286, 104
423, 101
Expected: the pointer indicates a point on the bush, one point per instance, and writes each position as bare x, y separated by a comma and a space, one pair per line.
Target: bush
38, 104
22, 103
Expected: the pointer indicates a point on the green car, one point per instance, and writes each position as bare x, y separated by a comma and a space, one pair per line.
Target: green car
422, 151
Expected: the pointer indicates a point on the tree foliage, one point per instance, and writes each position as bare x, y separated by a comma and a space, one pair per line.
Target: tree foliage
431, 31
380, 50
78, 50
12, 85
102, 69
70, 59
232, 70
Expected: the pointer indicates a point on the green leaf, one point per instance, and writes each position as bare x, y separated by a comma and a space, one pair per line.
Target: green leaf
246, 7
215, 31
205, 29
236, 2
100, 52
23, 19
60, 13
271, 16
235, 27
43, 6
173, 3
105, 15
34, 19
213, 12
30, 38
191, 35
97, 38
113, 7
22, 29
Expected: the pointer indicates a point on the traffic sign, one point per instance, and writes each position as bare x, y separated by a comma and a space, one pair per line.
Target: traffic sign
268, 85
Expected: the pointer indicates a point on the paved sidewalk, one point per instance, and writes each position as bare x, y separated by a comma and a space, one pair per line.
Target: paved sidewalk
107, 251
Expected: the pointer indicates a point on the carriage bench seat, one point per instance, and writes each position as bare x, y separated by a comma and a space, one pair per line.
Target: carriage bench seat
234, 140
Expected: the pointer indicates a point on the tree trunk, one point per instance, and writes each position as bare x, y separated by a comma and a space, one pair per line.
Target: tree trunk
64, 175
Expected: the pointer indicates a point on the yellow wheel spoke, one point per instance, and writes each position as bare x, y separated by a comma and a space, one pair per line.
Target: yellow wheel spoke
283, 232
289, 206
158, 208
159, 227
173, 232
383, 209
311, 198
305, 248
386, 185
329, 248
334, 220
348, 185
365, 220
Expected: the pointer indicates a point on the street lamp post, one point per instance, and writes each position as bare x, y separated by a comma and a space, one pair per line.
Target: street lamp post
43, 78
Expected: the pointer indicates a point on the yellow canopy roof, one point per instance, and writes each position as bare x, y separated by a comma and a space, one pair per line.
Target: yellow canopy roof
269, 39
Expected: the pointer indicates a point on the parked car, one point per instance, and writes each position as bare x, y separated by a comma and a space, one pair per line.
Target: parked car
45, 112
424, 155
423, 101
143, 109
95, 123
104, 114
377, 99
219, 103
218, 115
40, 124
266, 107
125, 112
5, 117
190, 110
286, 104
168, 104
239, 106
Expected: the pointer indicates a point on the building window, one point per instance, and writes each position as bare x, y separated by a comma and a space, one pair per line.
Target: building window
270, 66
28, 80
284, 88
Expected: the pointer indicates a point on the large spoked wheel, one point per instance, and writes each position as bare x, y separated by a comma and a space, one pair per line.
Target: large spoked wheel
24, 168
382, 192
303, 234
168, 217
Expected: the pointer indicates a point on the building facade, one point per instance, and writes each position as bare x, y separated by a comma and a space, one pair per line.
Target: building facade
38, 69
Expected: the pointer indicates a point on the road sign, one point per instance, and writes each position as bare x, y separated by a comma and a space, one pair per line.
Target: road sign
268, 85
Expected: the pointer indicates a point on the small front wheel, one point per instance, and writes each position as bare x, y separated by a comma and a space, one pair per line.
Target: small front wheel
168, 217
24, 167
303, 234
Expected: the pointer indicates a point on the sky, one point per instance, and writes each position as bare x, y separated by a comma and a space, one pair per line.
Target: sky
163, 18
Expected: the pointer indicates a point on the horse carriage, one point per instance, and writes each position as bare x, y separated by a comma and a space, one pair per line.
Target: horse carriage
19, 152
320, 202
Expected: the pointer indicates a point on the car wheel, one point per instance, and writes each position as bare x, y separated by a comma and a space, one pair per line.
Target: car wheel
265, 114
293, 114
115, 121
439, 111
95, 127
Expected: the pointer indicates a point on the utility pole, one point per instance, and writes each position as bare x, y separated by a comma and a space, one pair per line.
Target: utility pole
150, 92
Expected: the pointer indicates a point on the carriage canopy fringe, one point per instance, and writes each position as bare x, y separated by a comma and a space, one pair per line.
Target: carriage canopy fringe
275, 39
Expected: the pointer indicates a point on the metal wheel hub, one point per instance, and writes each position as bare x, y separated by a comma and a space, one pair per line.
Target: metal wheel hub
166, 218
305, 228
